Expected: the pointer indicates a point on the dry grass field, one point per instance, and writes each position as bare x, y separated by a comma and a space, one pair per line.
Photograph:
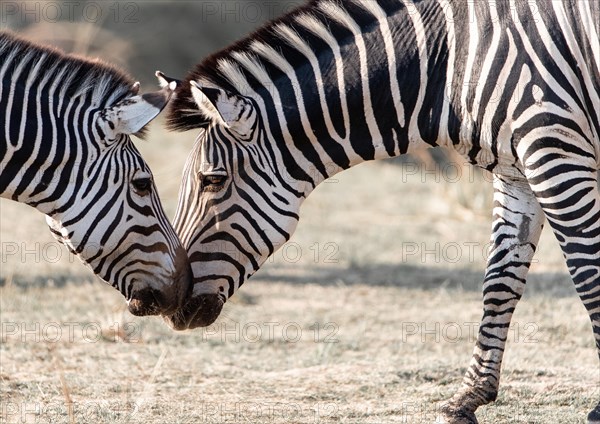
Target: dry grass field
368, 315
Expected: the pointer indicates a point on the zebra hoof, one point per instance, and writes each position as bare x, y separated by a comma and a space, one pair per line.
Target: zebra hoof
594, 416
452, 415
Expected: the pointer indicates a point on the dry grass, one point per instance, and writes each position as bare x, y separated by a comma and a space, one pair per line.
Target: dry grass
361, 330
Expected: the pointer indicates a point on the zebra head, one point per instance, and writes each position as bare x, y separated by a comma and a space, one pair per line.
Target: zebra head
236, 206
113, 219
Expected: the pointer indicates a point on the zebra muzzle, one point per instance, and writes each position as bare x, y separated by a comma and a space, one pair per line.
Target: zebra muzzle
145, 302
168, 299
200, 311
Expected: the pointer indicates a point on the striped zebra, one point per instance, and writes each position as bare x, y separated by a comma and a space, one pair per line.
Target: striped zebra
511, 85
65, 149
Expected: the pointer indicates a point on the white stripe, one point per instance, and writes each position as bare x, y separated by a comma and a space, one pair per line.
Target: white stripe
485, 156
11, 109
489, 58
574, 45
317, 28
444, 135
590, 29
466, 130
271, 55
340, 15
508, 127
37, 142
255, 68
390, 51
416, 142
9, 149
235, 76
575, 113
298, 43
52, 121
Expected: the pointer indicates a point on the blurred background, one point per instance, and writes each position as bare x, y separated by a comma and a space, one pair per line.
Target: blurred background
140, 37
387, 255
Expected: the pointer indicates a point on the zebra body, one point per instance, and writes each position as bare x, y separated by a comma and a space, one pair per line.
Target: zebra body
65, 149
513, 86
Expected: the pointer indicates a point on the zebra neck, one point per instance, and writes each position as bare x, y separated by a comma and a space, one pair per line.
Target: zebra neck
42, 163
367, 82
46, 186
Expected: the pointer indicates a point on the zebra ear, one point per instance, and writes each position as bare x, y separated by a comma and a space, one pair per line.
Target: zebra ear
230, 110
131, 115
164, 80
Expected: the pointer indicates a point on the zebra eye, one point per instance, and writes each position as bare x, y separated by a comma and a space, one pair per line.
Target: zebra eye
142, 186
213, 182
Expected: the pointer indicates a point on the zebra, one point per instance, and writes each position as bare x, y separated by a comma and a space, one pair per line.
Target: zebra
65, 149
512, 86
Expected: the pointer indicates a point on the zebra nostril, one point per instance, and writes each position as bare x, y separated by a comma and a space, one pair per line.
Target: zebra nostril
145, 302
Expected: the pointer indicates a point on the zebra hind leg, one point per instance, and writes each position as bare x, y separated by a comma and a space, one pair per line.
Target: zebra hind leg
576, 224
565, 185
583, 260
517, 226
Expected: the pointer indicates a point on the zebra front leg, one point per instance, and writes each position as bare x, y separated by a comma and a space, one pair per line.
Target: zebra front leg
516, 229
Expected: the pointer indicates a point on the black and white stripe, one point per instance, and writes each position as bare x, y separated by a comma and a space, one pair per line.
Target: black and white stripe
511, 85
65, 149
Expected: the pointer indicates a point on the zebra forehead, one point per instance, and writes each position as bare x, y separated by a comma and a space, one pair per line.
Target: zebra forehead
98, 81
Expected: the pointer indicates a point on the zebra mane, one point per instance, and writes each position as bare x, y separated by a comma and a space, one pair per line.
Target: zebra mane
97, 82
183, 112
